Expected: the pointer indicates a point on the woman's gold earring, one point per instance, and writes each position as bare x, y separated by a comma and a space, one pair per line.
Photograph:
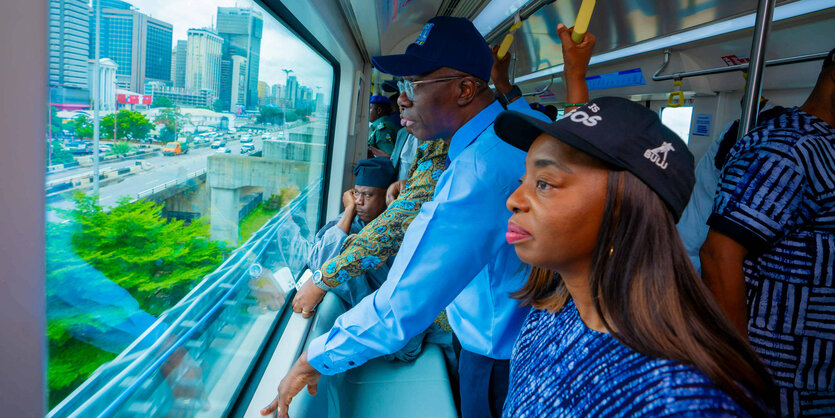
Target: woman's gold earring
611, 250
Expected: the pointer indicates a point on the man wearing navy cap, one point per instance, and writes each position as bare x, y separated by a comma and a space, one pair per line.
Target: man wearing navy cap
363, 204
770, 250
453, 255
382, 131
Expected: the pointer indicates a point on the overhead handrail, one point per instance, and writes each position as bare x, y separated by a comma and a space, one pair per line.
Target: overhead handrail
542, 90
523, 14
676, 97
739, 67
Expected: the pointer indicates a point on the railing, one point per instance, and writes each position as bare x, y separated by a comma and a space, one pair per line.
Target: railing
207, 342
172, 183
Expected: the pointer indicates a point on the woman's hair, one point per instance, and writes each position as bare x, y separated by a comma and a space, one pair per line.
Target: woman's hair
651, 299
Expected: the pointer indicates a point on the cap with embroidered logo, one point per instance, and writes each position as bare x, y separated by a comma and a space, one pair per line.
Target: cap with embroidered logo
443, 42
622, 133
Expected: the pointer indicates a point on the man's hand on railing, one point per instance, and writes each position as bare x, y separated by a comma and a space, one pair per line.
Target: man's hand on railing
301, 374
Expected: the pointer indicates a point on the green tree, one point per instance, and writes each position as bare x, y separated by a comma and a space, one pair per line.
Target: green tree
60, 155
131, 124
217, 106
173, 123
271, 115
120, 148
82, 126
57, 124
156, 260
162, 102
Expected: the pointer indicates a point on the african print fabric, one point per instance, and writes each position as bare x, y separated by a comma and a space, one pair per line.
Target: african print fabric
381, 238
777, 198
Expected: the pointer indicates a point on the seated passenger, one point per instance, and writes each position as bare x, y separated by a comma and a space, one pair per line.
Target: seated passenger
382, 132
364, 203
617, 329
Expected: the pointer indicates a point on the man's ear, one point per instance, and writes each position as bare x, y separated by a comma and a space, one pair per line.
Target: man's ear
469, 90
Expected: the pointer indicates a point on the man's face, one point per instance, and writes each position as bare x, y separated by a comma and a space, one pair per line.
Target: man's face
375, 112
370, 201
432, 113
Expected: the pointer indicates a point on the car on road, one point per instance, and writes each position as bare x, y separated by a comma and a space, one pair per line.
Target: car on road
175, 148
224, 150
218, 144
246, 138
80, 147
245, 148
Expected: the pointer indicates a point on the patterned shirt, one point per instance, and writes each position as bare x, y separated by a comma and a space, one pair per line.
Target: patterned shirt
561, 368
381, 238
776, 197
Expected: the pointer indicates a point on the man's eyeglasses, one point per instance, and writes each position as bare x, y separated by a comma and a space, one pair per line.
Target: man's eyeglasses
358, 194
408, 87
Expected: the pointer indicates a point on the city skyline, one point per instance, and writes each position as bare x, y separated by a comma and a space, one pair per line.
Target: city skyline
309, 68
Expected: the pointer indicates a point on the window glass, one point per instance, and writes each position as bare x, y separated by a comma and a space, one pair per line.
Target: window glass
169, 259
678, 120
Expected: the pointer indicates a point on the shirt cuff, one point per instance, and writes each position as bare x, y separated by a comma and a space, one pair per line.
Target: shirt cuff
752, 241
320, 360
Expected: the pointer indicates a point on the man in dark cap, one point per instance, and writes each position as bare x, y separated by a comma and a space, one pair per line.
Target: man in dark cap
770, 250
363, 204
383, 131
453, 255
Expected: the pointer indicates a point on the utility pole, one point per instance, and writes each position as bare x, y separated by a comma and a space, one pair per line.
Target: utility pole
284, 103
96, 106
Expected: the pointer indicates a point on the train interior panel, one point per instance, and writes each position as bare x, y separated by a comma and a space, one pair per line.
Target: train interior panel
145, 279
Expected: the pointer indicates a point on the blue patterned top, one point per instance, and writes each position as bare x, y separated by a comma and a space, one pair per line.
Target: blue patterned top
776, 197
561, 368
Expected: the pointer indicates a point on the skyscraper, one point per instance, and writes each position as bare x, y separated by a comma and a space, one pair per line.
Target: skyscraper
69, 44
139, 44
242, 30
238, 85
178, 74
292, 92
262, 93
203, 61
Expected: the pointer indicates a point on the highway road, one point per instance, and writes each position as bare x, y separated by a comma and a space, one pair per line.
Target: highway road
163, 169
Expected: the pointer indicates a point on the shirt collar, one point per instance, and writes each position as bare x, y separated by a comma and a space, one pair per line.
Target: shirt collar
471, 130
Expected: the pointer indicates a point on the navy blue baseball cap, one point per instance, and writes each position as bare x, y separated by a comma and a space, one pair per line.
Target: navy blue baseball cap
622, 133
380, 100
444, 42
375, 172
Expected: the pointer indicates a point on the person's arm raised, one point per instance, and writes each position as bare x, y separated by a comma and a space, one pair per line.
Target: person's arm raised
576, 57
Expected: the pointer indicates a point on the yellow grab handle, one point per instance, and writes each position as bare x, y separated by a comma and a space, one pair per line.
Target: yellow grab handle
676, 98
581, 25
508, 40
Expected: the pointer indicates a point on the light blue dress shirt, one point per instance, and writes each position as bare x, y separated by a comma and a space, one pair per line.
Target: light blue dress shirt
454, 256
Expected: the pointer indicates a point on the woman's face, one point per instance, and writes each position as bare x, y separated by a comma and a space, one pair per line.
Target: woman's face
558, 208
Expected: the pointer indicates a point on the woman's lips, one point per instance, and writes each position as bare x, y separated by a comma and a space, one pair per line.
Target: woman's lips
516, 233
406, 122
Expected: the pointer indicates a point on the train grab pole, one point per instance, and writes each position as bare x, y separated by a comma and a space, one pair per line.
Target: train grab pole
751, 100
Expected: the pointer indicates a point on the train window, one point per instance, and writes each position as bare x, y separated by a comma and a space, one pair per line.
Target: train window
678, 120
176, 231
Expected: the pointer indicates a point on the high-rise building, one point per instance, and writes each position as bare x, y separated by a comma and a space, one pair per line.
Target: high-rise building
203, 61
242, 30
107, 82
275, 94
262, 93
69, 45
292, 92
139, 44
178, 64
112, 4
238, 85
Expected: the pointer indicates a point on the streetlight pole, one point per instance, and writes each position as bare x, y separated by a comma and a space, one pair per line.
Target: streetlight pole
284, 103
96, 106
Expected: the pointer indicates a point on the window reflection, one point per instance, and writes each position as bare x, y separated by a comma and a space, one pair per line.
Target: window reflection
151, 295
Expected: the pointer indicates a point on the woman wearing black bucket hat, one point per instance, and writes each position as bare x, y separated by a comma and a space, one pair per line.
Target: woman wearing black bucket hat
622, 325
